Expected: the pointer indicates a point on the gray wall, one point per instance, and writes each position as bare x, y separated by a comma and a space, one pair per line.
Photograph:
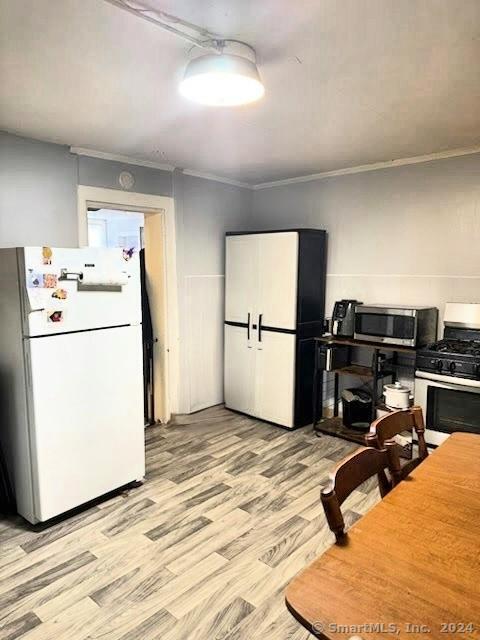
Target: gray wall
38, 193
205, 210
38, 205
402, 235
408, 235
38, 189
96, 172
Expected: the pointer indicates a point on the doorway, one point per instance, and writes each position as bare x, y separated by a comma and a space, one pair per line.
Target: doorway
115, 228
112, 229
113, 221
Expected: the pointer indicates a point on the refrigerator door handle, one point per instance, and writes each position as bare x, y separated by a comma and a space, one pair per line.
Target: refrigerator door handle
248, 327
260, 327
28, 368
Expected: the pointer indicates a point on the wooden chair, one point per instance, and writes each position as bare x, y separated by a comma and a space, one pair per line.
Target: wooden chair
350, 473
392, 424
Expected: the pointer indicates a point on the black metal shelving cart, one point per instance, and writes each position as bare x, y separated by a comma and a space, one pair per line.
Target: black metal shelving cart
379, 370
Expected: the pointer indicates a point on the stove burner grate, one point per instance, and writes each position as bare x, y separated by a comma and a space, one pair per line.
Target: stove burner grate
463, 347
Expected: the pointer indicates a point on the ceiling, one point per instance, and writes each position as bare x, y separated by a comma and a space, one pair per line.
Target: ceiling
348, 82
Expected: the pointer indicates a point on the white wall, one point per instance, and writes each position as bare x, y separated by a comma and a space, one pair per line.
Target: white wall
205, 210
408, 234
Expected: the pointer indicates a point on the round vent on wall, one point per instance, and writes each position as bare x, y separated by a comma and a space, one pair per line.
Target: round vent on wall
126, 180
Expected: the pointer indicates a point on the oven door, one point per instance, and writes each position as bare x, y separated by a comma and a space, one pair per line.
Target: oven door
447, 406
395, 326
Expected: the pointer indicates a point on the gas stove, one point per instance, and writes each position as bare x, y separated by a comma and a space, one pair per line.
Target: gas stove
456, 358
458, 353
447, 376
462, 347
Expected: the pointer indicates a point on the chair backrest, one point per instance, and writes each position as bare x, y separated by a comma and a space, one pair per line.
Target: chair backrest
350, 473
388, 426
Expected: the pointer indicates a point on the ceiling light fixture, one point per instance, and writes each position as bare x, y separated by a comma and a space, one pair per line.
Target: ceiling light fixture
227, 79
227, 76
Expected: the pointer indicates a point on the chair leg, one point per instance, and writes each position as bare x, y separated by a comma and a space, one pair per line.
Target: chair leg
393, 461
333, 514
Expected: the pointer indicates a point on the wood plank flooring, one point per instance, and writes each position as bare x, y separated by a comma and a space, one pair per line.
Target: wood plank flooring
228, 514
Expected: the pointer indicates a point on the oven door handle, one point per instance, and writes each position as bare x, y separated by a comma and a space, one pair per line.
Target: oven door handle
450, 380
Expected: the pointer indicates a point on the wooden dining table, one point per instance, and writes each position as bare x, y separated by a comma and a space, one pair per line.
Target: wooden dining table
410, 568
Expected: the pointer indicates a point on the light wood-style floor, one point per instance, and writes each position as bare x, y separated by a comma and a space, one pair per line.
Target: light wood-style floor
228, 514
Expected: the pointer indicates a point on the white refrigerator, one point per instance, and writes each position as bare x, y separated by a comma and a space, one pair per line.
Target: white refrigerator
71, 377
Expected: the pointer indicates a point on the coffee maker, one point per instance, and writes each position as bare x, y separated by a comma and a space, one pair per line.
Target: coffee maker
343, 319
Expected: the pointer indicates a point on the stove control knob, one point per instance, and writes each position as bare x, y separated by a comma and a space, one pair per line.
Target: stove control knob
452, 367
439, 365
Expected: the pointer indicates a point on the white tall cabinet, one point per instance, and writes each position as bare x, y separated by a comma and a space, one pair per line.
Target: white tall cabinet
274, 306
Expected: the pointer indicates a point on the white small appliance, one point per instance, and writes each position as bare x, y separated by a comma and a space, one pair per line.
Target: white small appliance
397, 396
71, 375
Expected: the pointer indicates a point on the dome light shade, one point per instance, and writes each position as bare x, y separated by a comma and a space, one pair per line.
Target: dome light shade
222, 80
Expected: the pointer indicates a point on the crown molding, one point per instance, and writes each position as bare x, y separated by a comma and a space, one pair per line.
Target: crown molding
440, 155
103, 155
214, 178
92, 153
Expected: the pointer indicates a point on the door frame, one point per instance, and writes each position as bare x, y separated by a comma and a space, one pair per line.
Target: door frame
147, 204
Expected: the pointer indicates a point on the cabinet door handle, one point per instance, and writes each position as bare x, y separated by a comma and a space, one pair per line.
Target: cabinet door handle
260, 327
248, 327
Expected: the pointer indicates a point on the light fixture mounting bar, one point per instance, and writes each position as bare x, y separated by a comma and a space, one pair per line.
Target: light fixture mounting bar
201, 38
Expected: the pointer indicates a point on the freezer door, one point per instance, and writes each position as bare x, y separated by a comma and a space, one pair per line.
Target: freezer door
86, 416
52, 305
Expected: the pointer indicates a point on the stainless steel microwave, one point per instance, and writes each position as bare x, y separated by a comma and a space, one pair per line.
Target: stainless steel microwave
408, 326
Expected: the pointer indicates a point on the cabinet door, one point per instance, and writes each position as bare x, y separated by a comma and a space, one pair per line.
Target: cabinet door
275, 377
241, 277
278, 274
239, 370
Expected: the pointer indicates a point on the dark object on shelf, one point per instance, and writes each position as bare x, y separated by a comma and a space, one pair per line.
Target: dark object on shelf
327, 326
343, 319
356, 409
381, 362
380, 368
334, 356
